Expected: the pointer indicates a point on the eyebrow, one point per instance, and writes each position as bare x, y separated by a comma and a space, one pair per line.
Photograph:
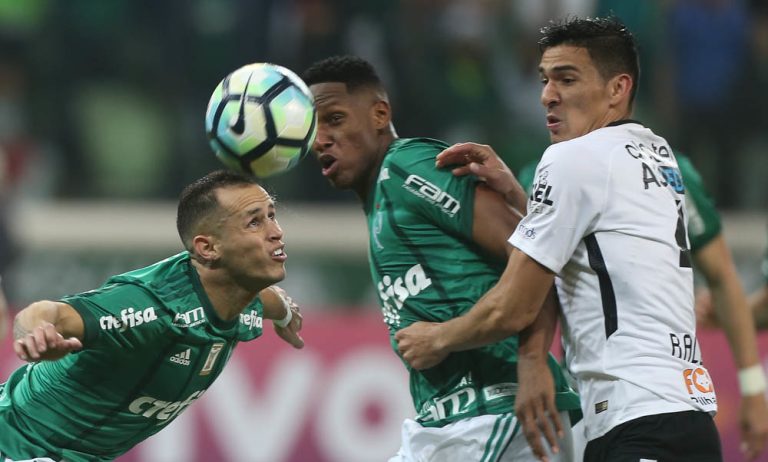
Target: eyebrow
257, 210
562, 68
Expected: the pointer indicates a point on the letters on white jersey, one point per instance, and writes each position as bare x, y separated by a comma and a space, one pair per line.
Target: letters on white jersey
607, 215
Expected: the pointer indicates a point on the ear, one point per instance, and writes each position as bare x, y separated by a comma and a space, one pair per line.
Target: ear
381, 114
620, 87
206, 248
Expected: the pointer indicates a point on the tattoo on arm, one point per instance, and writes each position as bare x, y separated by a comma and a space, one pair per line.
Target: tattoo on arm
18, 330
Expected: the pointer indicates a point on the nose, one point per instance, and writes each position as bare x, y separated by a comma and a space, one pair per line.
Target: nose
549, 95
323, 140
276, 233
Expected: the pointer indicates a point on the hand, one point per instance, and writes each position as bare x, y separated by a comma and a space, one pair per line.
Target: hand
535, 406
290, 333
705, 310
418, 345
44, 343
482, 161
754, 425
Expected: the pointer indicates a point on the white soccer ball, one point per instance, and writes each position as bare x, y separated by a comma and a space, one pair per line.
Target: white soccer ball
261, 119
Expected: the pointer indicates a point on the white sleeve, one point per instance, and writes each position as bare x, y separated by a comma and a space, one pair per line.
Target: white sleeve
567, 198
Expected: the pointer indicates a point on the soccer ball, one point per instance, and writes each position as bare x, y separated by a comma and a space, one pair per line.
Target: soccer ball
261, 119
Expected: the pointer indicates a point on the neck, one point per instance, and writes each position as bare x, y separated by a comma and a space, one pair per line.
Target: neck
367, 183
227, 297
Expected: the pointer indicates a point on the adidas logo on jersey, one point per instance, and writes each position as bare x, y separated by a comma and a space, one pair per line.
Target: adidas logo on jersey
181, 358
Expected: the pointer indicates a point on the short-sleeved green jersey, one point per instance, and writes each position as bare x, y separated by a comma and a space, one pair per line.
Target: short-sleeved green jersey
426, 267
153, 345
703, 220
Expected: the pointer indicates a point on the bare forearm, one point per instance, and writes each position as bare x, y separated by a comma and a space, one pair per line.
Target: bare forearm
731, 307
275, 306
487, 322
33, 316
63, 317
536, 339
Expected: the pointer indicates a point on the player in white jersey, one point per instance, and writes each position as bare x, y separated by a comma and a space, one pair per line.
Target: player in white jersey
606, 220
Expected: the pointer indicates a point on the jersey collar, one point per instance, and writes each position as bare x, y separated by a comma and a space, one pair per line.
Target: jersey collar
616, 123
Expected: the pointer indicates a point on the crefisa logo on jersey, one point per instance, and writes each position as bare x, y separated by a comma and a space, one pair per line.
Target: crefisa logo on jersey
251, 319
164, 411
398, 291
129, 318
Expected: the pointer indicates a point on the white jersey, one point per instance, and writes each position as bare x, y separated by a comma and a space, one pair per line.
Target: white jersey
607, 215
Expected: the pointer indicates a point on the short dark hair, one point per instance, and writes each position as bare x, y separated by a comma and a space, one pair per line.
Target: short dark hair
609, 43
353, 71
198, 200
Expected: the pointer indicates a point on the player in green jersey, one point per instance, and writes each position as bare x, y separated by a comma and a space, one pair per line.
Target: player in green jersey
436, 245
712, 257
112, 366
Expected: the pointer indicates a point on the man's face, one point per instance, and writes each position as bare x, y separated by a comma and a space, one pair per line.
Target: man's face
248, 237
575, 95
347, 136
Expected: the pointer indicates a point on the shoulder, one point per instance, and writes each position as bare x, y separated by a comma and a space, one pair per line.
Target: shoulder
408, 152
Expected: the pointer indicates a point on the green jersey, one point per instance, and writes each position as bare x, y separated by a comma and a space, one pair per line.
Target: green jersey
703, 220
426, 267
153, 344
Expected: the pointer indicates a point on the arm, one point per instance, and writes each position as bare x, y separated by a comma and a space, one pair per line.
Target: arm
730, 304
482, 161
535, 401
284, 313
47, 330
758, 304
509, 307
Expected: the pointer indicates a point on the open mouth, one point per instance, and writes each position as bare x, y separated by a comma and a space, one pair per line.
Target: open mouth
279, 254
552, 122
327, 163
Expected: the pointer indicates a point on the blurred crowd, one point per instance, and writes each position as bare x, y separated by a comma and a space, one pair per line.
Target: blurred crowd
105, 99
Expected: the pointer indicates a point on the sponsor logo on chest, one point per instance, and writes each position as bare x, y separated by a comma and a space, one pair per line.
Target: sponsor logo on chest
129, 318
190, 318
164, 411
394, 293
431, 193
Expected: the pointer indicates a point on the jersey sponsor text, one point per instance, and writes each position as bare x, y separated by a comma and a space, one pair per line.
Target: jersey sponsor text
164, 411
251, 320
423, 188
397, 292
190, 318
129, 318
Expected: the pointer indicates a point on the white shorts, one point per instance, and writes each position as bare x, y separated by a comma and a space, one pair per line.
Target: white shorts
486, 438
36, 459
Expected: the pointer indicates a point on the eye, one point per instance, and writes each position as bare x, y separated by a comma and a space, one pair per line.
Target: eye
255, 222
335, 118
544, 80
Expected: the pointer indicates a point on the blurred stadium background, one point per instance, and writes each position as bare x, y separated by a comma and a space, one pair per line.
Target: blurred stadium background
101, 125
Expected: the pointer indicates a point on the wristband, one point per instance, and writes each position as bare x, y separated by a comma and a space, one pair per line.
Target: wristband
752, 380
288, 316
